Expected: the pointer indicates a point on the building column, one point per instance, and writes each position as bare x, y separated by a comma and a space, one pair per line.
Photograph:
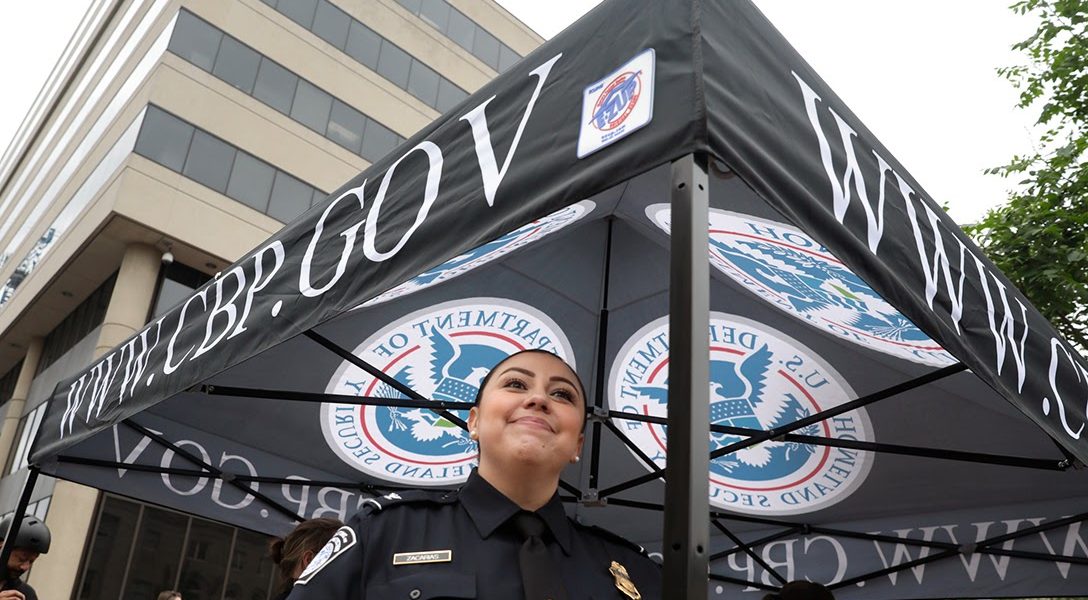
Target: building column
132, 296
18, 399
72, 509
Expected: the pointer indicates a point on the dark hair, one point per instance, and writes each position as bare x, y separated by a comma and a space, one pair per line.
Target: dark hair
577, 379
801, 590
287, 552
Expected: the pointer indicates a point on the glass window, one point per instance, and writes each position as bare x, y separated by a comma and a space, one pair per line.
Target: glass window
378, 141
7, 382
331, 24
209, 161
13, 457
290, 197
318, 197
411, 6
26, 441
423, 83
164, 139
507, 58
346, 126
363, 45
204, 570
275, 86
449, 95
435, 12
170, 293
104, 571
250, 572
486, 48
154, 566
77, 325
394, 63
271, 3
195, 41
237, 64
178, 283
311, 107
251, 181
461, 29
299, 11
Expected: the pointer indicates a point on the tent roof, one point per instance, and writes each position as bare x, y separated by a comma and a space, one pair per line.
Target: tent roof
547, 190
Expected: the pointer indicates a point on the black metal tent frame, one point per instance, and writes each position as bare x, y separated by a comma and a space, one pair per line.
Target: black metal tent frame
688, 517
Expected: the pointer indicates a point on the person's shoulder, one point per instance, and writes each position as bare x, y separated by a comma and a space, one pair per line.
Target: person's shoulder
609, 538
394, 502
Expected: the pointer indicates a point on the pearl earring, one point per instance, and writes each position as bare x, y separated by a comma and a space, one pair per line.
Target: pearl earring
575, 459
472, 434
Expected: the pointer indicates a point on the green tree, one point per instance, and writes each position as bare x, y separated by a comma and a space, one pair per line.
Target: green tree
1039, 238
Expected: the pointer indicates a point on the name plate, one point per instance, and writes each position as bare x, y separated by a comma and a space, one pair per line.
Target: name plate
419, 558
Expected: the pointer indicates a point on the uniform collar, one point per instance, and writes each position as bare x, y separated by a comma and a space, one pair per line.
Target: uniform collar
489, 508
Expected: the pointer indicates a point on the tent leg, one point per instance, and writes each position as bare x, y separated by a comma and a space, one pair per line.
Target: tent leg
20, 511
687, 521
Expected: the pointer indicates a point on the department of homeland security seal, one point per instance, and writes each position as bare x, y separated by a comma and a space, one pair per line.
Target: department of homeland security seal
483, 254
788, 269
441, 352
759, 379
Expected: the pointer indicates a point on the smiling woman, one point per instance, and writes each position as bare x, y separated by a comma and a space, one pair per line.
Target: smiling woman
504, 534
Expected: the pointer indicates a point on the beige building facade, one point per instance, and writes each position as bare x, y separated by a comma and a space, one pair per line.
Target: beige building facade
174, 136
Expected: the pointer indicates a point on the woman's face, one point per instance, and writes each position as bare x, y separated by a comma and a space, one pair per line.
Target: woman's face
531, 411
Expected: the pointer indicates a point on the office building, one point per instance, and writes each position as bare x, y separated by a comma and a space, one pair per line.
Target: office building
174, 136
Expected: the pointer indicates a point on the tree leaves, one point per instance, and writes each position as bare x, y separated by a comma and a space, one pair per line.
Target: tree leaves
1039, 238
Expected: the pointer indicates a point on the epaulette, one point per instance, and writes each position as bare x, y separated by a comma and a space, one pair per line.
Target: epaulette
612, 537
403, 497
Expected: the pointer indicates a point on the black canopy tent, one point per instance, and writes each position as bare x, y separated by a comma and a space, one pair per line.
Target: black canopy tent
855, 334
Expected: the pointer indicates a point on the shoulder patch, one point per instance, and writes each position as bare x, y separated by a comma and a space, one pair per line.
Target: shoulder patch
341, 541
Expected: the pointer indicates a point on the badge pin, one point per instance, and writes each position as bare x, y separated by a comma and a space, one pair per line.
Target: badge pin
623, 581
422, 558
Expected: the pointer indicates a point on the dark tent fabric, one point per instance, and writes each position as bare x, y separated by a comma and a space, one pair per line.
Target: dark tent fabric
922, 420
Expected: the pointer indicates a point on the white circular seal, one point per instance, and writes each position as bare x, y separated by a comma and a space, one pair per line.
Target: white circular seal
788, 269
759, 379
442, 353
481, 255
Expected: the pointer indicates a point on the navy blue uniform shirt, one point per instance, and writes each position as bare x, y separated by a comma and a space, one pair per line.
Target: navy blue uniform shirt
425, 545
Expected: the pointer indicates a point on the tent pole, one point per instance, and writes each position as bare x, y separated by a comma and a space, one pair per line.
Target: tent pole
685, 542
17, 516
377, 373
750, 551
213, 471
600, 372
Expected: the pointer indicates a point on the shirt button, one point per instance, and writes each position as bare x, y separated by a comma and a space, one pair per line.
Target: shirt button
414, 594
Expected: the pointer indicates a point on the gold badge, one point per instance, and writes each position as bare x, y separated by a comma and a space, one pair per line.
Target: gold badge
623, 581
422, 558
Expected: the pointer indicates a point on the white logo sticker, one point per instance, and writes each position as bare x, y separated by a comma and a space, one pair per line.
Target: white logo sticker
618, 104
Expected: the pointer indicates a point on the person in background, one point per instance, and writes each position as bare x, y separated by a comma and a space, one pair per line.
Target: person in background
169, 595
505, 534
801, 590
31, 541
292, 554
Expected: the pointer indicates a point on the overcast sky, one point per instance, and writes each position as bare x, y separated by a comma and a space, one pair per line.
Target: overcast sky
919, 74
